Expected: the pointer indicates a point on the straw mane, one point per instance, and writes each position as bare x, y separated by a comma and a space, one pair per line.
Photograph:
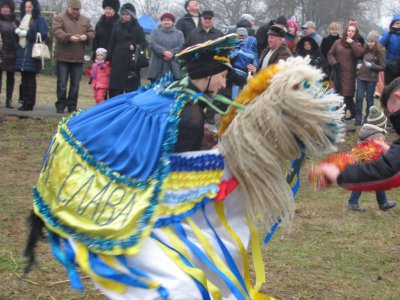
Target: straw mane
259, 142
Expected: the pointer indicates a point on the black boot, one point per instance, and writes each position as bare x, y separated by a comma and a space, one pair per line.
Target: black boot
26, 107
9, 103
9, 91
21, 92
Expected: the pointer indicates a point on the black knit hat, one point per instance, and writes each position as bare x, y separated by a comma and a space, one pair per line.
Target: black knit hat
128, 9
114, 4
205, 67
281, 20
9, 3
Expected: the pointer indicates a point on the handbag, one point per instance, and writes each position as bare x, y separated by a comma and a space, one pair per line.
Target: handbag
139, 58
40, 50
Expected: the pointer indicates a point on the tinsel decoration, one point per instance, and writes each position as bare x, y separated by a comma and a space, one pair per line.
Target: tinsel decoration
363, 152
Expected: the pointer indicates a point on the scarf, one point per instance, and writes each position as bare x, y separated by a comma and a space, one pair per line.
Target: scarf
24, 26
97, 64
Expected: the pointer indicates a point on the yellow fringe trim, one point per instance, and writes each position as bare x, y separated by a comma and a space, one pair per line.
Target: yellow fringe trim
254, 87
185, 180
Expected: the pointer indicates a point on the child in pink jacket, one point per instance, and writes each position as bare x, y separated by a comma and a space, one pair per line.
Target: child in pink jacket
100, 75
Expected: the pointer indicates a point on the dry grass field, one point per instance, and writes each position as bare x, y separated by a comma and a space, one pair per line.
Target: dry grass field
330, 253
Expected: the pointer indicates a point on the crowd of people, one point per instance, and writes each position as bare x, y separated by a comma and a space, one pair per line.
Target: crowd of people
351, 64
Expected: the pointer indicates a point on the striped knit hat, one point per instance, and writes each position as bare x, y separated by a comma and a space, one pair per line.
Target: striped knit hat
375, 126
376, 117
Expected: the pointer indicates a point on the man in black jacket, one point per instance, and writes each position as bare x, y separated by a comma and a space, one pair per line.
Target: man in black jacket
205, 32
191, 20
378, 175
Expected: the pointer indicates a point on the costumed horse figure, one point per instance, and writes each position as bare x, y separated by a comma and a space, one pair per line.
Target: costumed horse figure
146, 223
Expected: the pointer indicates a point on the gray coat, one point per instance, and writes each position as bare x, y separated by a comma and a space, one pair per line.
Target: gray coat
164, 39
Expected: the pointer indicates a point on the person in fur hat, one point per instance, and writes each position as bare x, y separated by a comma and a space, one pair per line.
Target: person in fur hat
105, 25
126, 35
372, 130
8, 24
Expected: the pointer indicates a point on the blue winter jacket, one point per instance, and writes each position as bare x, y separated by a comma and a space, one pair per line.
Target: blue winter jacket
24, 61
391, 41
244, 53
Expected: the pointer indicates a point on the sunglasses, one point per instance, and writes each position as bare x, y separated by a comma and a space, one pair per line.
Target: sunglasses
207, 18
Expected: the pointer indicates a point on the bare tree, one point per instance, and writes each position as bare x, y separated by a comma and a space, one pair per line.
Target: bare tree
156, 8
322, 12
54, 5
276, 8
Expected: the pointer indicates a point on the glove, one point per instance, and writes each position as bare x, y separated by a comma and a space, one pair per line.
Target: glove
17, 31
359, 65
368, 65
22, 33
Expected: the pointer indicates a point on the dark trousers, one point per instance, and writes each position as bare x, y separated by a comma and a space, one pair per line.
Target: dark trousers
364, 88
350, 105
380, 197
28, 88
9, 84
114, 92
73, 72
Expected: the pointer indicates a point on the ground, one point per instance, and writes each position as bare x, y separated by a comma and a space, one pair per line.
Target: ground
329, 253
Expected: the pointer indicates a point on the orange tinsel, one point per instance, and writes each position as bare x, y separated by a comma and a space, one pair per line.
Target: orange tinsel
363, 152
366, 151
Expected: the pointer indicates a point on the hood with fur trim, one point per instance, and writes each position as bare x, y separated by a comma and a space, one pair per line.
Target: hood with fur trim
36, 8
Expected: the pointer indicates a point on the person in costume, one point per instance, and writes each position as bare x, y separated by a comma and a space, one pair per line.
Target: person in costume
127, 195
378, 175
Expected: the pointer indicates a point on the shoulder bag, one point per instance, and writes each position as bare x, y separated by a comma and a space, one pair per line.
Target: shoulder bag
40, 50
139, 58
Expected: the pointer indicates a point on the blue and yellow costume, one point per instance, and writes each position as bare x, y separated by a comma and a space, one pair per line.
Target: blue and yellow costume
142, 221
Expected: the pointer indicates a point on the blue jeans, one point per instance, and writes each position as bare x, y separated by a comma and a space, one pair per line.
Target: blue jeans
74, 72
380, 197
364, 87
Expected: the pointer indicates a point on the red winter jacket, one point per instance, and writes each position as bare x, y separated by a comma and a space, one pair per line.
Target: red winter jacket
100, 74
